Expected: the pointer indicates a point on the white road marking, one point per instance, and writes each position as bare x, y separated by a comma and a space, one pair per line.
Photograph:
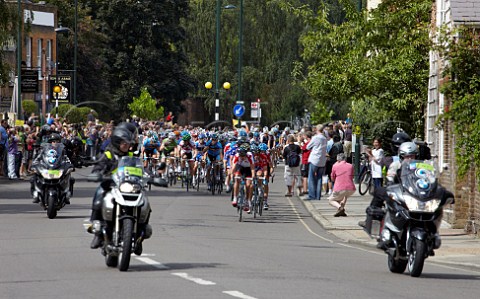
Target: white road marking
238, 294
306, 225
194, 279
151, 262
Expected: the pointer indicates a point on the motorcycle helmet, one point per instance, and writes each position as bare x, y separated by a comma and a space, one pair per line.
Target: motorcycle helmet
407, 149
54, 137
131, 128
121, 133
399, 138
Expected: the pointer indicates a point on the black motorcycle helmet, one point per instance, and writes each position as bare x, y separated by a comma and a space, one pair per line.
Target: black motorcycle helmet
130, 127
397, 139
54, 137
121, 133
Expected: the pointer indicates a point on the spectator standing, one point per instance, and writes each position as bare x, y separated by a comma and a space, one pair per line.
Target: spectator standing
291, 155
342, 175
317, 160
347, 142
336, 149
3, 146
90, 117
169, 119
376, 156
12, 152
307, 136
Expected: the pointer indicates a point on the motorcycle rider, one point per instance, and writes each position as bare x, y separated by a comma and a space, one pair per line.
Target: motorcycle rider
406, 151
123, 137
53, 138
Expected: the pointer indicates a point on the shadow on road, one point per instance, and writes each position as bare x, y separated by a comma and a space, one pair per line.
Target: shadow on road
172, 266
449, 276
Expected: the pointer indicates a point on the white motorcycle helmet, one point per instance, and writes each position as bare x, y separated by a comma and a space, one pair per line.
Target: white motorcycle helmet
407, 150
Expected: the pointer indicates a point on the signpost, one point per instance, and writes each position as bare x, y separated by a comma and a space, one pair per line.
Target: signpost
65, 84
239, 111
29, 81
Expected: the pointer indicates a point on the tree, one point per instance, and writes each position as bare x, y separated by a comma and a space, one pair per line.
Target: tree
377, 65
145, 106
145, 48
29, 106
8, 27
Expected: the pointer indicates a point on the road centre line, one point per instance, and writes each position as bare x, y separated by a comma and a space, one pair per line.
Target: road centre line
238, 294
151, 262
194, 279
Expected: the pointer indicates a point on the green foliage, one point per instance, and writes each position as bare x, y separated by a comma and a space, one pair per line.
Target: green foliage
462, 88
8, 27
377, 65
145, 106
29, 106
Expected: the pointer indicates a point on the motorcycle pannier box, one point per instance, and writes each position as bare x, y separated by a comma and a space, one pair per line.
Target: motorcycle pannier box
374, 221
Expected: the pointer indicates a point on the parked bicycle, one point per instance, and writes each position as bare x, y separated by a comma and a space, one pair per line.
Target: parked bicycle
365, 183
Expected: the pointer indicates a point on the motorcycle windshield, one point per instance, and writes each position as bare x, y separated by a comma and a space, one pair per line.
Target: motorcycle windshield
52, 154
130, 169
419, 178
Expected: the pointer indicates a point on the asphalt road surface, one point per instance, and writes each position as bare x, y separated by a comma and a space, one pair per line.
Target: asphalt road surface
200, 250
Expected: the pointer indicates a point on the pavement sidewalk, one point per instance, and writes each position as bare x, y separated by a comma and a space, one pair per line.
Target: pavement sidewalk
458, 248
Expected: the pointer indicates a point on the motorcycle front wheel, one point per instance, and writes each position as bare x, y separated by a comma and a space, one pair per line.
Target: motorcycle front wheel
51, 208
416, 259
127, 229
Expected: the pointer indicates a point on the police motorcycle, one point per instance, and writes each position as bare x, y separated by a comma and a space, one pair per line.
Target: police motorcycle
413, 215
126, 211
52, 184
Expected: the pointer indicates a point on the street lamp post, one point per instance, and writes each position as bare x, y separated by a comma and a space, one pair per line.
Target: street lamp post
75, 55
217, 58
57, 88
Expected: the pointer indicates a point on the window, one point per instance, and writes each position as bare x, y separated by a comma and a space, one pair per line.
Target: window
39, 57
48, 54
28, 53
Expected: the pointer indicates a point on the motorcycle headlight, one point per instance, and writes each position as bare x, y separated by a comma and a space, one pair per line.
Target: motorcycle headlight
416, 205
127, 187
51, 173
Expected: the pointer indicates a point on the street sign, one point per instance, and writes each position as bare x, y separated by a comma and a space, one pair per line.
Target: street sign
29, 81
239, 110
64, 95
254, 105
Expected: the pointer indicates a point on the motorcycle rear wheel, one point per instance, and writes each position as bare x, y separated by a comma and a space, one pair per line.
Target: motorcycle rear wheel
416, 259
396, 266
51, 208
127, 229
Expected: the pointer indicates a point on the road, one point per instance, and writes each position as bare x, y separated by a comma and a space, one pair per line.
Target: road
200, 250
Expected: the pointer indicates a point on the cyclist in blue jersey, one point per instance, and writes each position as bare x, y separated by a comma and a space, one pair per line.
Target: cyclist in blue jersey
150, 148
213, 151
228, 153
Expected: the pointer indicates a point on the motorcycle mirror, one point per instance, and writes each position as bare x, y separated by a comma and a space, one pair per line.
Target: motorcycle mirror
159, 182
94, 177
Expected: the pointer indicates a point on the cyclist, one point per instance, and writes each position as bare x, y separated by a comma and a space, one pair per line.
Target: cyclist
228, 153
270, 169
261, 165
150, 148
168, 149
213, 153
243, 165
185, 148
198, 154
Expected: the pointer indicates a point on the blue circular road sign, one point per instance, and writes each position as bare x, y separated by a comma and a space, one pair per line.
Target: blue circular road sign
239, 110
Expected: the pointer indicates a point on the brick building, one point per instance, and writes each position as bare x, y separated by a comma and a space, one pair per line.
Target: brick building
38, 49
440, 136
